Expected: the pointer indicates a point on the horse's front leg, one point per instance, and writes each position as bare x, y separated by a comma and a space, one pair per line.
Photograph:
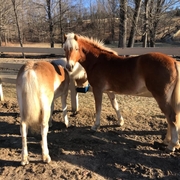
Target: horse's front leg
98, 104
114, 103
24, 154
64, 109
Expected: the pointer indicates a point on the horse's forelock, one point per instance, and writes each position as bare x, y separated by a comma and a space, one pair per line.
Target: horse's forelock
70, 42
70, 36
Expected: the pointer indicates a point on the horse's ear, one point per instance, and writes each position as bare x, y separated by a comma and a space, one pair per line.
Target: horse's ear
65, 37
75, 37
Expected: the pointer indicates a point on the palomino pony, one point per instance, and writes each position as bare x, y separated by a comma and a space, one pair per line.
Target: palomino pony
78, 78
78, 74
37, 85
152, 74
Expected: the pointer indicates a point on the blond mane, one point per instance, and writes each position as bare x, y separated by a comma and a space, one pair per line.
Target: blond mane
95, 42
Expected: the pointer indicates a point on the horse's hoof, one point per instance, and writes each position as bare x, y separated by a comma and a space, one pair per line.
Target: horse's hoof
24, 162
74, 113
95, 127
166, 141
172, 147
121, 122
46, 158
67, 124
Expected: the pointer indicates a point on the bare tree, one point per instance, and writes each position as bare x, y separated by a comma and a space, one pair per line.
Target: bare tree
146, 23
5, 12
112, 14
134, 22
17, 23
50, 22
63, 8
122, 24
101, 19
155, 15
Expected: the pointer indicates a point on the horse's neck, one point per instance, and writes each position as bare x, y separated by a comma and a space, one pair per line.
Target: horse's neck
89, 60
87, 64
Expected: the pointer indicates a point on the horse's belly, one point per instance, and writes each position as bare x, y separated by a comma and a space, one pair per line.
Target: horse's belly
143, 92
140, 88
137, 89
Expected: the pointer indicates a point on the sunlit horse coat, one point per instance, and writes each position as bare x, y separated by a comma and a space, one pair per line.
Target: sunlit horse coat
37, 85
154, 74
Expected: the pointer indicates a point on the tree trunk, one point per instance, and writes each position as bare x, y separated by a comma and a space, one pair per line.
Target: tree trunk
17, 24
155, 20
134, 23
51, 27
145, 33
60, 23
112, 28
123, 24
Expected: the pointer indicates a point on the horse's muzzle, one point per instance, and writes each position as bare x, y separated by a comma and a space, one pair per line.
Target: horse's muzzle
69, 67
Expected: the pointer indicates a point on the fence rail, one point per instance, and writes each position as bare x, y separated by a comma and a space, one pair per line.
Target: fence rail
32, 50
174, 51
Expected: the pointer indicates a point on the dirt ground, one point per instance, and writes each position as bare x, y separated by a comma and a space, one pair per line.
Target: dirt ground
133, 151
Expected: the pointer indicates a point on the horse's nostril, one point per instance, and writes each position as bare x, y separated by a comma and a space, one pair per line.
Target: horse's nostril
69, 68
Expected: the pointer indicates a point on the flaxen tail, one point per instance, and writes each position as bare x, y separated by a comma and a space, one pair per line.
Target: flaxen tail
30, 106
176, 96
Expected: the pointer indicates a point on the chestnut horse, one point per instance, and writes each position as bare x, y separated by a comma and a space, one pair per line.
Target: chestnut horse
153, 74
37, 85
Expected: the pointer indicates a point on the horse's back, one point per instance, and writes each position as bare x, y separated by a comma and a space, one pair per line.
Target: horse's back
158, 71
137, 75
155, 71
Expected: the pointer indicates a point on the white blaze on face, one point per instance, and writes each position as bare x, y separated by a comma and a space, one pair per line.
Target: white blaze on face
71, 48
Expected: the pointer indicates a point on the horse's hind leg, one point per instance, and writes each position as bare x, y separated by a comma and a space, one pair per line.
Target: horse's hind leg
52, 109
172, 137
114, 103
44, 131
167, 138
24, 154
64, 109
